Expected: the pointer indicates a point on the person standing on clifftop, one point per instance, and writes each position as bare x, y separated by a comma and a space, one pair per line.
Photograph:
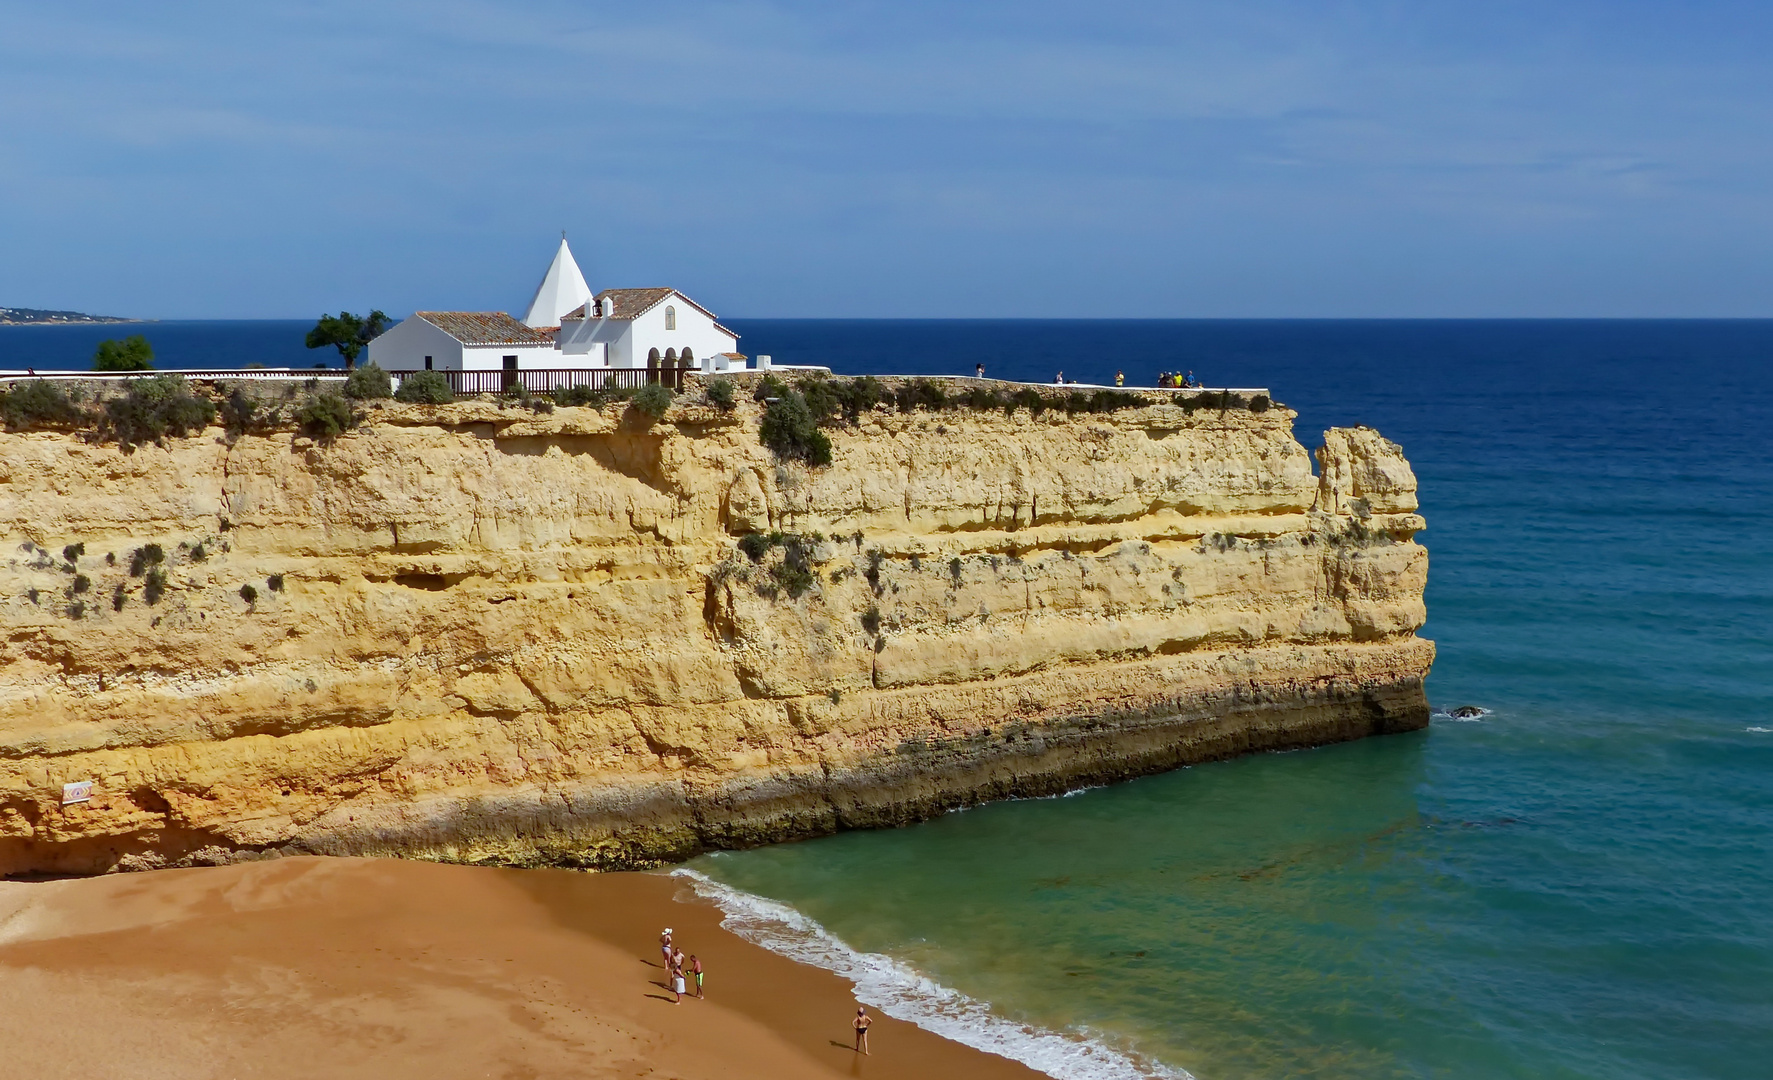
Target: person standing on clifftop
1120, 378
979, 371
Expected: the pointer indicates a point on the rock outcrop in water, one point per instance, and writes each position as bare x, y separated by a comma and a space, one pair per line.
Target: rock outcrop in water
476, 633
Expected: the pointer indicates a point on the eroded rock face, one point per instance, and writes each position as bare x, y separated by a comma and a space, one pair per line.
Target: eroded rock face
480, 634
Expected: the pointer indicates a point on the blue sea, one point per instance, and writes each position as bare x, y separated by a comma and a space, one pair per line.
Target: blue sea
1579, 883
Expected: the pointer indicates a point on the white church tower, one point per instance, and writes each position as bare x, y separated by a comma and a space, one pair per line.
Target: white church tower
562, 290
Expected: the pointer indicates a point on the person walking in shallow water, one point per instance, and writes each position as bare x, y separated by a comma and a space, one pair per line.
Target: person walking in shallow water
861, 1023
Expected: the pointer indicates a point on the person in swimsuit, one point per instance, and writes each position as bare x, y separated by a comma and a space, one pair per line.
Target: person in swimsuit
860, 1023
665, 947
695, 966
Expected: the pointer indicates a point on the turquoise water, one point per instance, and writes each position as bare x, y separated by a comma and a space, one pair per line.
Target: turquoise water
1580, 884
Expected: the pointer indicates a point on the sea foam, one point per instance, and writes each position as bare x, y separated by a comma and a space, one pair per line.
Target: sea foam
899, 991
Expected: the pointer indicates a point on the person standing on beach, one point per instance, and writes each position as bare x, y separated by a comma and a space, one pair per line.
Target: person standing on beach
695, 966
677, 978
861, 1023
665, 947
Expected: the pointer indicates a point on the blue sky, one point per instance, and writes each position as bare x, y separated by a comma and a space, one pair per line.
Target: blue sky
905, 159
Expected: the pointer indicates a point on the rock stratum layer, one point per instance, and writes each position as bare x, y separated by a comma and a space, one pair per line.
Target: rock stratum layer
476, 633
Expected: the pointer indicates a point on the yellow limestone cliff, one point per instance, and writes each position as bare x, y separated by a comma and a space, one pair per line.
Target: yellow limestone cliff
476, 633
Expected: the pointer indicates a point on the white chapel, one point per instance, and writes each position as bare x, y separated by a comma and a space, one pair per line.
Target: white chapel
566, 326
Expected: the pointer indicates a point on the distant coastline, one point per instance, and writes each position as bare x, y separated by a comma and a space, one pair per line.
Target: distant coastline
24, 316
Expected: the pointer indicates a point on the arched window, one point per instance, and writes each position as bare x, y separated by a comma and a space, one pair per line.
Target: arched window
652, 358
688, 358
670, 356
670, 318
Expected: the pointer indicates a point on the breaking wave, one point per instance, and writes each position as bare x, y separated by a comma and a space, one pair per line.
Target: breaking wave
899, 991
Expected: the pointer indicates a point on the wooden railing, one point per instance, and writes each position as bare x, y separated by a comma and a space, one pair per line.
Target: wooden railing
542, 380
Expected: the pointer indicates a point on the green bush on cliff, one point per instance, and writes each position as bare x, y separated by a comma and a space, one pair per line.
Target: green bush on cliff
652, 400
794, 574
755, 546
721, 395
151, 410
426, 388
790, 430
38, 403
148, 555
326, 417
368, 383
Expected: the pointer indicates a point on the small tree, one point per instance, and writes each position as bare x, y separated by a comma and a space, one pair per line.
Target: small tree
347, 333
133, 353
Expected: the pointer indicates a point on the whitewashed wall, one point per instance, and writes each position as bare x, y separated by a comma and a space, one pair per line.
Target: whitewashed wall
405, 347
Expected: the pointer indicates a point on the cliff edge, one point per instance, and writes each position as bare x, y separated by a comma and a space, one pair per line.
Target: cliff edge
476, 633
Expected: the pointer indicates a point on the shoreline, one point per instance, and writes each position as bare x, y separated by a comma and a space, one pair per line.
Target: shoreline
350, 967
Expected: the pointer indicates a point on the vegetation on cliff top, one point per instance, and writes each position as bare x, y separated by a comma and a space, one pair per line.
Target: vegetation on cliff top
796, 416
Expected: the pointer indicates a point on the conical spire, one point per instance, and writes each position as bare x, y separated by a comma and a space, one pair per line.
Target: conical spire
562, 289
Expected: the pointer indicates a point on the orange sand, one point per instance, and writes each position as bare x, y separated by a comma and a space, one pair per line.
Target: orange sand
345, 968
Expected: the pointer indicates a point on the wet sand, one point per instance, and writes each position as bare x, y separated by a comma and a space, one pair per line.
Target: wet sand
347, 968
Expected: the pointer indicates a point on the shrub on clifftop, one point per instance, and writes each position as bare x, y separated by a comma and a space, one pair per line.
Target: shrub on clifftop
652, 400
153, 409
425, 388
789, 430
38, 402
326, 417
368, 383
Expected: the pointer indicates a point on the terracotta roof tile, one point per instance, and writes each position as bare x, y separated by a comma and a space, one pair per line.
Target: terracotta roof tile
484, 328
631, 303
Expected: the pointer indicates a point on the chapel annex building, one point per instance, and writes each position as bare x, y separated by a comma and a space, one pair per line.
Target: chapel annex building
568, 327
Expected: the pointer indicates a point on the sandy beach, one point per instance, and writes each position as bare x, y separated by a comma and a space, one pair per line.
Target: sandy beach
310, 967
